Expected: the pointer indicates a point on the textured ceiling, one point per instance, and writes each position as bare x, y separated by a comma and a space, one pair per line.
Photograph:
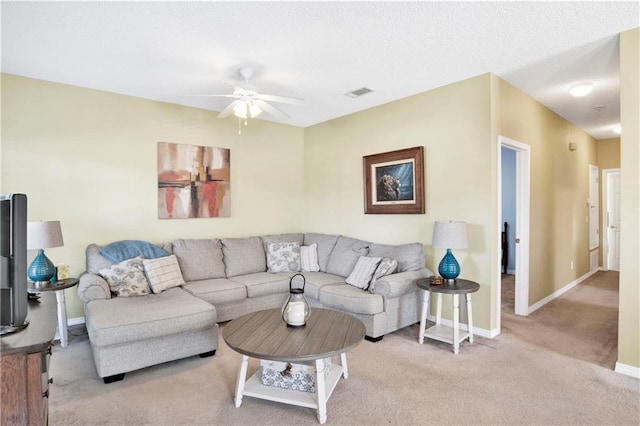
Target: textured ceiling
318, 51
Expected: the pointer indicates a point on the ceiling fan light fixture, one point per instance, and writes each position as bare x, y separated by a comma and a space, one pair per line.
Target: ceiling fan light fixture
581, 89
246, 110
617, 129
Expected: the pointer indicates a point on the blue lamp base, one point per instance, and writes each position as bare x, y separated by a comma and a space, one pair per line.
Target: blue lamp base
449, 268
41, 269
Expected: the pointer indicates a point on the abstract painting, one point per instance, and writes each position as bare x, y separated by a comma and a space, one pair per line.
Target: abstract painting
193, 181
394, 182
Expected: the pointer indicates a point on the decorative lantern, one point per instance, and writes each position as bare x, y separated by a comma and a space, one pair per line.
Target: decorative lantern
295, 311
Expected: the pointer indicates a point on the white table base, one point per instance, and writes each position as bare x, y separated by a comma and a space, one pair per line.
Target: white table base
318, 400
443, 333
62, 318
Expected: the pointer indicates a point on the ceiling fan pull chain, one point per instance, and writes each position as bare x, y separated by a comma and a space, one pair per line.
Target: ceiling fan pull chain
239, 126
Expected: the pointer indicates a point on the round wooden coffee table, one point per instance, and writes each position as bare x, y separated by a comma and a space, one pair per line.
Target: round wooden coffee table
264, 335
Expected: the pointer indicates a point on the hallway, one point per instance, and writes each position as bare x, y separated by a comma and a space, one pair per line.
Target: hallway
582, 323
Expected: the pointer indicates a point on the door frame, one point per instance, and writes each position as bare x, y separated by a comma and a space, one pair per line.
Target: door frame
523, 208
603, 208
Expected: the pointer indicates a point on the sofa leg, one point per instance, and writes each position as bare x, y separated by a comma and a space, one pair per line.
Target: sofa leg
208, 354
373, 339
114, 378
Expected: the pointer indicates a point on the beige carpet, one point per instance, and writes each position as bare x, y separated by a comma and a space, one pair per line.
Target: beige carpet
554, 367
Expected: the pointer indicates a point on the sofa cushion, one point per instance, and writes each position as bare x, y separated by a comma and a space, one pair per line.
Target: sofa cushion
199, 259
345, 255
410, 257
127, 278
243, 256
362, 273
217, 290
282, 238
326, 243
128, 319
283, 257
348, 298
309, 258
386, 267
95, 261
263, 283
314, 282
163, 273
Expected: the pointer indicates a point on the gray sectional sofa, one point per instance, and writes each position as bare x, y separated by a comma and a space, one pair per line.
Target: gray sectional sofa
226, 278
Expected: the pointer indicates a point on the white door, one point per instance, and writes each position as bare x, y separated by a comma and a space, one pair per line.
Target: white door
613, 221
594, 203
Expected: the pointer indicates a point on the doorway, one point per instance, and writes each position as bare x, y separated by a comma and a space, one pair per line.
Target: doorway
611, 219
522, 208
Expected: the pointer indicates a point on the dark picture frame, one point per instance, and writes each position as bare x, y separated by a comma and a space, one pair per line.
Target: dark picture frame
394, 182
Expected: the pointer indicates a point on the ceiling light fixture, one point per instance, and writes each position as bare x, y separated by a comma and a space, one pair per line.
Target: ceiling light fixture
246, 109
581, 89
617, 129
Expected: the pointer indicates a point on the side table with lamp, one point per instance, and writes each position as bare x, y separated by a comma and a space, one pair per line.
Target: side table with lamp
42, 273
448, 235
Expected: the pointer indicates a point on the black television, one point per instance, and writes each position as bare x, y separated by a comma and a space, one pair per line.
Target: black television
13, 263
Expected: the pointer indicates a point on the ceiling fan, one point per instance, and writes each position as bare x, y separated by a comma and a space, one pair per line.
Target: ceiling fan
249, 103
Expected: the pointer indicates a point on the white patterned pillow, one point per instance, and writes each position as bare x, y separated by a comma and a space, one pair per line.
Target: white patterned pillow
126, 278
309, 258
363, 272
163, 273
386, 267
283, 257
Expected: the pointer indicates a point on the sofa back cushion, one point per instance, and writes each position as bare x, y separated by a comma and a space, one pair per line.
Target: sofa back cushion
95, 261
282, 238
199, 259
243, 256
410, 257
326, 243
345, 255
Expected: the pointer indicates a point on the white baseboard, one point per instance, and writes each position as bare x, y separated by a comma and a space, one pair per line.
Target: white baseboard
628, 370
75, 321
559, 292
482, 332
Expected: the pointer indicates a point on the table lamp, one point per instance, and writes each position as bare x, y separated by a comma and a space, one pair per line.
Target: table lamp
42, 235
449, 235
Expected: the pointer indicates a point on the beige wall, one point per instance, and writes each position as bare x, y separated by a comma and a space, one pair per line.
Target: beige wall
629, 316
608, 153
89, 159
608, 158
559, 231
453, 124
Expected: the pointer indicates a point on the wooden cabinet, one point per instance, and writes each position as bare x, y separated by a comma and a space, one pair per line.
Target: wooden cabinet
24, 367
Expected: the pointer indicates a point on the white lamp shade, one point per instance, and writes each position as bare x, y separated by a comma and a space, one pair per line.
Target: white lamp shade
41, 235
450, 235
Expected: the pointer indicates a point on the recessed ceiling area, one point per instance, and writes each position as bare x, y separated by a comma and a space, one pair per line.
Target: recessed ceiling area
320, 51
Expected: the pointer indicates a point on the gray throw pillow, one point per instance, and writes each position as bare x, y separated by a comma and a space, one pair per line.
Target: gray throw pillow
363, 272
163, 273
385, 267
283, 257
127, 278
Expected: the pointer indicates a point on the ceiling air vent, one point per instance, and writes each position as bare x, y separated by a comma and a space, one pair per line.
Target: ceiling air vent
359, 92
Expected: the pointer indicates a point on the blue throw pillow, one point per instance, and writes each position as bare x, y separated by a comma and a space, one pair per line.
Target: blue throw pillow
128, 249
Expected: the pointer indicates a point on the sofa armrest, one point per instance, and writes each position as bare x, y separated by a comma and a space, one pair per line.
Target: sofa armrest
395, 285
93, 287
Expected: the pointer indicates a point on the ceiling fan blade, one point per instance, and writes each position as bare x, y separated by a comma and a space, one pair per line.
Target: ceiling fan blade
281, 99
228, 110
270, 109
218, 96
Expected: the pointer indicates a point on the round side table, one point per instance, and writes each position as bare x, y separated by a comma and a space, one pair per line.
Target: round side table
58, 287
438, 331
